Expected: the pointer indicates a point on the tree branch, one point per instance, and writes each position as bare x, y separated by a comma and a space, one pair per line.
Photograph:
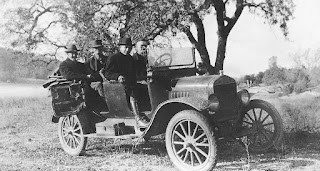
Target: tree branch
220, 15
232, 21
200, 28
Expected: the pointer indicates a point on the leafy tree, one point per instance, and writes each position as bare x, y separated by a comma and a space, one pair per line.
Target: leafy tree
259, 77
144, 19
189, 12
299, 78
32, 24
307, 58
274, 75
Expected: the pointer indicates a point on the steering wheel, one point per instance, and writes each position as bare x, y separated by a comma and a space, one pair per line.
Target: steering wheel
163, 60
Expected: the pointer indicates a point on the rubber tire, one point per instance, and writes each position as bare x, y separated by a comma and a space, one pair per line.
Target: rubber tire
278, 125
202, 121
80, 149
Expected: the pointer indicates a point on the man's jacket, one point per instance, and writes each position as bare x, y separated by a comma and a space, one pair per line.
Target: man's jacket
119, 64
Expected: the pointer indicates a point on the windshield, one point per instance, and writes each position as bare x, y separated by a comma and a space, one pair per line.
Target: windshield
165, 57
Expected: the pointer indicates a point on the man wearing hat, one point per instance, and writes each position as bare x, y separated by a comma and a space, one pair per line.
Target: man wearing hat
120, 67
71, 69
96, 63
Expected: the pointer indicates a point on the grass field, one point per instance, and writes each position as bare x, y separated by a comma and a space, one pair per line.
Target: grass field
29, 141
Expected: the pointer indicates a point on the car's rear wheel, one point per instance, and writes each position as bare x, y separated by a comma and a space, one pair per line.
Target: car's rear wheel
265, 124
71, 134
190, 141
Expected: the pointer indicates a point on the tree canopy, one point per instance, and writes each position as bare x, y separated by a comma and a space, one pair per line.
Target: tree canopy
81, 21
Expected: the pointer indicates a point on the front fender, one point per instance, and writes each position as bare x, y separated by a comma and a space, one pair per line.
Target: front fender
167, 109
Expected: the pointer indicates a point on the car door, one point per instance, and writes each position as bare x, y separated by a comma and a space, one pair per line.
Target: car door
116, 100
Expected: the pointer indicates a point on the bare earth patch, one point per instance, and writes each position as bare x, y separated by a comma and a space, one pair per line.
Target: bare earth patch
29, 141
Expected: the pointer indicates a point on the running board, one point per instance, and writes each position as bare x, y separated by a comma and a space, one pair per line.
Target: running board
128, 136
117, 128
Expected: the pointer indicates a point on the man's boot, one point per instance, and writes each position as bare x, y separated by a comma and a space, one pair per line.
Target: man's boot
141, 119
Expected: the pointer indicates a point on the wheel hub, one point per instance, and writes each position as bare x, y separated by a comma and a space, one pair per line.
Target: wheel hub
190, 143
257, 126
69, 131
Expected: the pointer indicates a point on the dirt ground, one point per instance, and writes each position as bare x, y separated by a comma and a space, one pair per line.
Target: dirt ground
31, 142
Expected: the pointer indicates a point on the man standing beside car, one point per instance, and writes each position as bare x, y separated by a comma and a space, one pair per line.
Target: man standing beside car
120, 67
140, 60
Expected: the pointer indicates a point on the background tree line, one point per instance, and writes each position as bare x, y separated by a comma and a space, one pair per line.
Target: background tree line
15, 65
305, 74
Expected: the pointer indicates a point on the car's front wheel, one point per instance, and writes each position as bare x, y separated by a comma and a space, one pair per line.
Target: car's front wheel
71, 134
265, 124
190, 141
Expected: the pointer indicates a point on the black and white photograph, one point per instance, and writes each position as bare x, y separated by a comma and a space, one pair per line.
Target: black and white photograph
158, 85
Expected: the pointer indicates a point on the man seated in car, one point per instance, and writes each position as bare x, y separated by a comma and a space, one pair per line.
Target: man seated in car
96, 64
120, 67
72, 69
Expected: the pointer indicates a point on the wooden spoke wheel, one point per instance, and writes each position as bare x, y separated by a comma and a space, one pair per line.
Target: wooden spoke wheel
71, 134
265, 123
190, 141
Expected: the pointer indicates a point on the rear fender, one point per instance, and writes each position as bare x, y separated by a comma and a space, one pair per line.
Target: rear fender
166, 110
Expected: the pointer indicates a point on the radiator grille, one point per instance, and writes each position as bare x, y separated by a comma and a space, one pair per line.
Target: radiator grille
227, 95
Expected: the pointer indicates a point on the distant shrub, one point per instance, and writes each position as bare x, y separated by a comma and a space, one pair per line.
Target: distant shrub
287, 89
259, 77
300, 86
274, 75
314, 76
298, 78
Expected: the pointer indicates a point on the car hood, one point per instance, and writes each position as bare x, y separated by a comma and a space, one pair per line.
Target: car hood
199, 85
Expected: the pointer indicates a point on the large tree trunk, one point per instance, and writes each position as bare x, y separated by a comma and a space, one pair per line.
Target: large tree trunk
221, 52
200, 43
225, 24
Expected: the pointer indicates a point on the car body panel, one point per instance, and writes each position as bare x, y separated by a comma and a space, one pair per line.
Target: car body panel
116, 100
167, 109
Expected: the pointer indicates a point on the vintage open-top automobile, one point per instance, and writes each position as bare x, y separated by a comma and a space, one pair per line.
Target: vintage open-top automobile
193, 111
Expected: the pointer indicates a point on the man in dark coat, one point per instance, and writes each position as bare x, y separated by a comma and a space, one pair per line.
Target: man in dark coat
71, 69
140, 60
120, 67
97, 63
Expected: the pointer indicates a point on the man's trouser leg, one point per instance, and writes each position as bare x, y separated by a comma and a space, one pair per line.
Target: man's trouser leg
97, 86
98, 97
142, 120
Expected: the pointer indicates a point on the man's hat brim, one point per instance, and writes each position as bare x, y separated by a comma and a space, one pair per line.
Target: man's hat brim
96, 46
126, 44
68, 51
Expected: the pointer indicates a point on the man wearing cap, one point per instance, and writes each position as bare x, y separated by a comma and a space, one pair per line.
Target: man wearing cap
96, 63
120, 67
71, 69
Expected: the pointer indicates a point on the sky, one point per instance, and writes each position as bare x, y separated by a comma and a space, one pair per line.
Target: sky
252, 42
